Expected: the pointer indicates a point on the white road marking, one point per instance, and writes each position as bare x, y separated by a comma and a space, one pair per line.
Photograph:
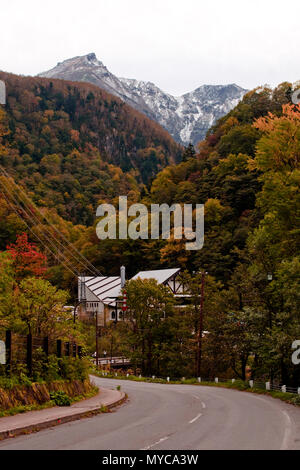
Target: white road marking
202, 403
155, 443
287, 433
288, 430
195, 419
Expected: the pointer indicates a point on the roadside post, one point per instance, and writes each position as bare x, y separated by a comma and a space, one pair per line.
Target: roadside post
2, 92
2, 353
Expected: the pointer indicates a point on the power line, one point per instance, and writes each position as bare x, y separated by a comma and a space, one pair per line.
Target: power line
53, 253
86, 262
41, 241
64, 259
83, 262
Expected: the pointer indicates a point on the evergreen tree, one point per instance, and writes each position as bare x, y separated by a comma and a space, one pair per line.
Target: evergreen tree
189, 152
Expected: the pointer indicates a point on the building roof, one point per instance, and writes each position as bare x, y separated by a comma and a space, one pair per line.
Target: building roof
108, 289
160, 275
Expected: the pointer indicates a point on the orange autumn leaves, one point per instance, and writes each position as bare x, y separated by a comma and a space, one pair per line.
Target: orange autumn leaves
279, 147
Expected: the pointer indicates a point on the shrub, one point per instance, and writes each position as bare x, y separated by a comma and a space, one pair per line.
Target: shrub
46, 369
296, 400
39, 364
60, 398
74, 369
52, 369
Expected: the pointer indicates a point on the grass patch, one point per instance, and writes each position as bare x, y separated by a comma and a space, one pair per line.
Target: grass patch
25, 408
48, 404
104, 409
290, 398
94, 391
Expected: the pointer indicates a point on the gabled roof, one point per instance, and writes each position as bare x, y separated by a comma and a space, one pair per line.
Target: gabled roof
160, 275
107, 289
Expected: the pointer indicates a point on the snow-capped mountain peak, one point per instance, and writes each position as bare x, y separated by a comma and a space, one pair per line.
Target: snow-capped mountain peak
187, 117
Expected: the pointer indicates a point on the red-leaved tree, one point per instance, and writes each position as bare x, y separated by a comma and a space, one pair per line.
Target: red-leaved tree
28, 261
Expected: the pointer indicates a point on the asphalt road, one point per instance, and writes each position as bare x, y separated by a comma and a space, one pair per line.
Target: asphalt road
176, 417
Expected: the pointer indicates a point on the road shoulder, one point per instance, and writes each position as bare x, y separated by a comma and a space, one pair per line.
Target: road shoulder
33, 421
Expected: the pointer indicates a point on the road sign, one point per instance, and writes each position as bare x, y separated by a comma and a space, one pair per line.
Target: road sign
124, 306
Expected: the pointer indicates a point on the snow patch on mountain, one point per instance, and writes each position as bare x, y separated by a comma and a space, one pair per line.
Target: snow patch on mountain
187, 118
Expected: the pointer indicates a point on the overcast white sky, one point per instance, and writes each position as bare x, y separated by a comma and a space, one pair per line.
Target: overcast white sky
177, 44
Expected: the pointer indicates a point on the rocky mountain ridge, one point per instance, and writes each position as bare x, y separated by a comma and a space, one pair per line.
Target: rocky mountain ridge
187, 118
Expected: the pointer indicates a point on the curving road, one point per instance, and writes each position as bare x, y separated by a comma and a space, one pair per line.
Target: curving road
175, 417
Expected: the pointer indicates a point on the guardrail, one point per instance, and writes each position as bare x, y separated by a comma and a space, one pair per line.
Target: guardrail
258, 384
250, 383
112, 361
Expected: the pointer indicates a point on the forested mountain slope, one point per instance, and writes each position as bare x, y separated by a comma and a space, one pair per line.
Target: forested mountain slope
73, 145
187, 118
219, 176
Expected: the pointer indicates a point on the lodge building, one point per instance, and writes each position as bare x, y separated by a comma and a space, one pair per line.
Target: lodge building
103, 294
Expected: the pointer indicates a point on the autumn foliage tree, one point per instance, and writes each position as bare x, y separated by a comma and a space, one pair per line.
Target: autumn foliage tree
28, 260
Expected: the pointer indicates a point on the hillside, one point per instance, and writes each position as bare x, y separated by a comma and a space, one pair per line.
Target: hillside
220, 176
187, 118
73, 144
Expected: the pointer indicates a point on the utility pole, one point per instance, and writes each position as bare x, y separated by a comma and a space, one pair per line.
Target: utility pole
200, 330
81, 296
97, 349
124, 294
97, 331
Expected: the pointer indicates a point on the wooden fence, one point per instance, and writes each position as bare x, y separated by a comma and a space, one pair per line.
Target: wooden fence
25, 349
